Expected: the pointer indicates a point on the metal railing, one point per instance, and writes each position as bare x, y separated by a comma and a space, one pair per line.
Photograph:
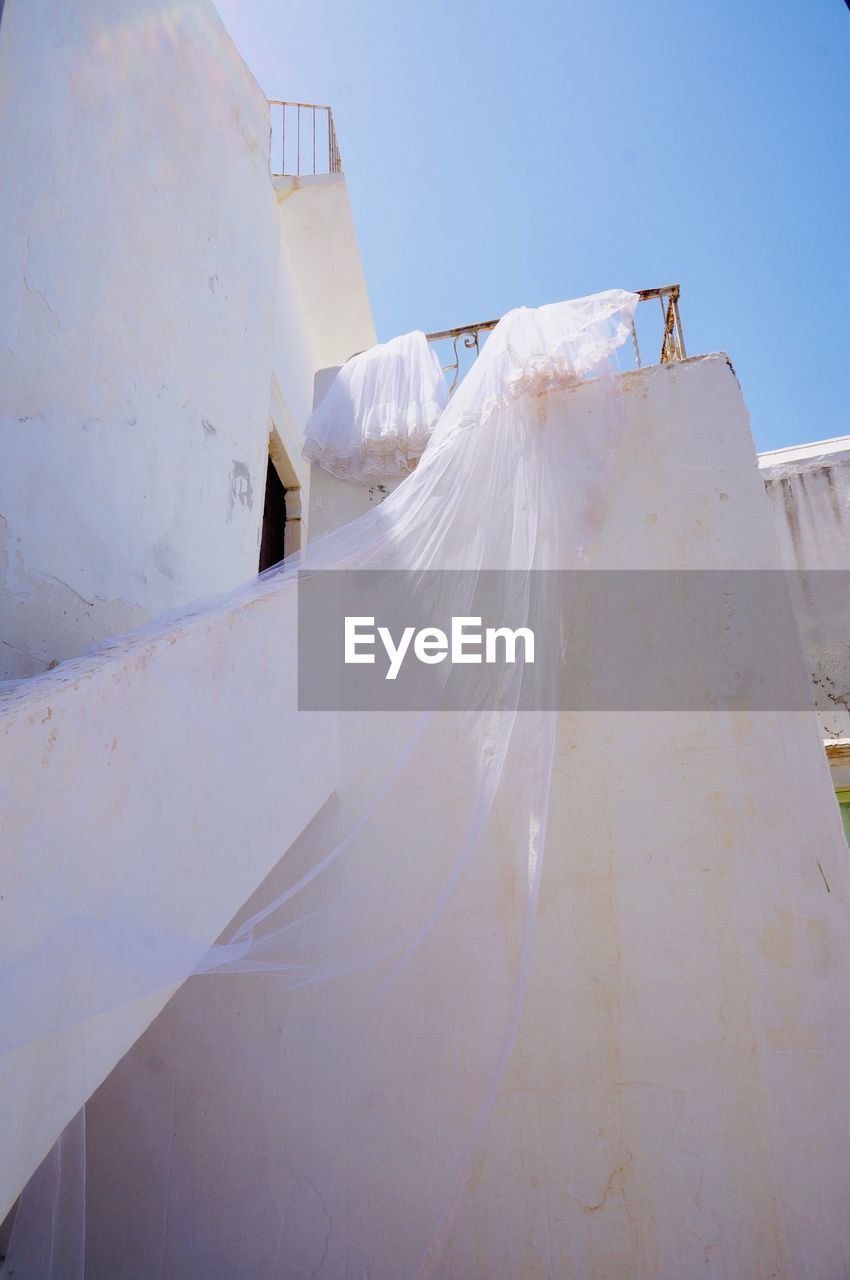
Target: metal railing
303, 139
673, 338
672, 342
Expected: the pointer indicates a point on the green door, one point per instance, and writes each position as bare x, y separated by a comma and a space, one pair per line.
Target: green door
843, 795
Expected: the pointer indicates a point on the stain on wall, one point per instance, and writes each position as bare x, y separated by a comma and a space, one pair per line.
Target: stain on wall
241, 489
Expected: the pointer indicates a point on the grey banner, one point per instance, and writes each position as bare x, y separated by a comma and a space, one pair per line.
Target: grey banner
602, 640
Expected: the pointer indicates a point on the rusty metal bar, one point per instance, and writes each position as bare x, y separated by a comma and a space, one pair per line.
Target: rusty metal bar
334, 162
672, 346
679, 331
644, 294
281, 102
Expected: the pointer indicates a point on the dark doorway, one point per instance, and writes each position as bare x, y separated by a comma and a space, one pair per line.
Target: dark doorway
274, 520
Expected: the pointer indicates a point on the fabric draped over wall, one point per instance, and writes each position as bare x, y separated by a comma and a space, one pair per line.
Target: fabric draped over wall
331, 1067
379, 411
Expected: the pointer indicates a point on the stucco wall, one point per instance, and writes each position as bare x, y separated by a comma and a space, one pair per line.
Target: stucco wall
160, 311
137, 259
322, 318
138, 276
809, 488
675, 1103
145, 791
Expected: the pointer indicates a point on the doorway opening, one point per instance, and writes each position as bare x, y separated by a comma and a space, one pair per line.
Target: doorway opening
273, 537
281, 529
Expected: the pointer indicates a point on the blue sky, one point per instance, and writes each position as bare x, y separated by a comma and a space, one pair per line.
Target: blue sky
503, 154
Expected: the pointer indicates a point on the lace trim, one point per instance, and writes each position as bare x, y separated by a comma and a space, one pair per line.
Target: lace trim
388, 448
540, 372
392, 440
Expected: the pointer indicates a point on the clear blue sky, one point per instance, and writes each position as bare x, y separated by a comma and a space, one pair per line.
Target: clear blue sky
503, 154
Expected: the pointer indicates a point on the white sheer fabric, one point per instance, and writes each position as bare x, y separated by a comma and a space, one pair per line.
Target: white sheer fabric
537, 349
379, 411
311, 1102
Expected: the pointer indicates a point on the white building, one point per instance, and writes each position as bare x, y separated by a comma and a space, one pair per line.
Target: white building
167, 308
170, 309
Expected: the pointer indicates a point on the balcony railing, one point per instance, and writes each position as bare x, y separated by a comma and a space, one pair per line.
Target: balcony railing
672, 340
303, 140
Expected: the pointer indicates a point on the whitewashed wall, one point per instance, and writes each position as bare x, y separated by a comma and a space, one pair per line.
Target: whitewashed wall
153, 785
322, 316
809, 488
138, 249
676, 1104
161, 312
162, 307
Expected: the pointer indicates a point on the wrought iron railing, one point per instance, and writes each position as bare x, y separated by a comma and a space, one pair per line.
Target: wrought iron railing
672, 342
303, 139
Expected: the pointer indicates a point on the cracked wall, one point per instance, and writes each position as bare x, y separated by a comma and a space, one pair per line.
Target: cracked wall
43, 620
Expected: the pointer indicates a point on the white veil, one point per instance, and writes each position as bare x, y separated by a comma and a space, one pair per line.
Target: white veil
309, 1104
378, 414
